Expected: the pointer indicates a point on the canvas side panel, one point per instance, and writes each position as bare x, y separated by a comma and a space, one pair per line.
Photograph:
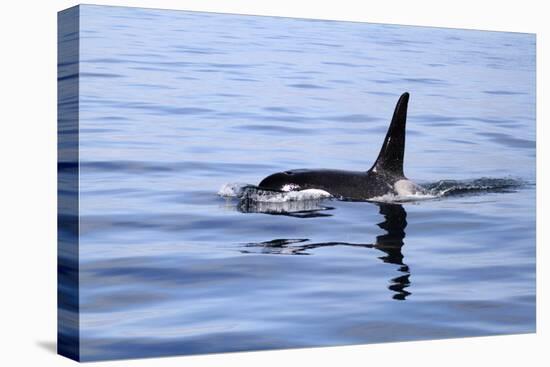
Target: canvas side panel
67, 183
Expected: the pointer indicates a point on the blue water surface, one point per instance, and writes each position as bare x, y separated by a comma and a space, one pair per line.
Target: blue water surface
174, 104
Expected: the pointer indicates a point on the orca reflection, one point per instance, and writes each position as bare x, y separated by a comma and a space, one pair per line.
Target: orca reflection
390, 243
298, 208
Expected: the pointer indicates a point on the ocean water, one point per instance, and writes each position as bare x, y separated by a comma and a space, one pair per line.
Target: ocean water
180, 111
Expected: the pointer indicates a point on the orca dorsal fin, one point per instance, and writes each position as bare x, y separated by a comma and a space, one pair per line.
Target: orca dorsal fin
390, 158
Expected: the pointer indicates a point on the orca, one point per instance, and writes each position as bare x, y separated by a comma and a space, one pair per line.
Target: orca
384, 177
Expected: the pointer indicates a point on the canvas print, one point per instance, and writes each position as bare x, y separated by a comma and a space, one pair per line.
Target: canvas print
236, 183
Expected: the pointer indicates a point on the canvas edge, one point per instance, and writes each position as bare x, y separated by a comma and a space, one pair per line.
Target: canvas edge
68, 305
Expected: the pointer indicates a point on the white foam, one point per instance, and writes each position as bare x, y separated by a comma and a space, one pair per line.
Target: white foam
290, 187
230, 190
407, 188
241, 191
282, 197
392, 198
405, 191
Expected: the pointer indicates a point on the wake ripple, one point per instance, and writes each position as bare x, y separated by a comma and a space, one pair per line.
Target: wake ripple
473, 186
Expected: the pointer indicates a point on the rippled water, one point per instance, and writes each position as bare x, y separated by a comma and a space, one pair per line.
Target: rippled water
174, 105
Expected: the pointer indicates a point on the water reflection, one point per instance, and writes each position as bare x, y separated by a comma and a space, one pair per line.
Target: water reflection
252, 199
390, 242
297, 209
395, 221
